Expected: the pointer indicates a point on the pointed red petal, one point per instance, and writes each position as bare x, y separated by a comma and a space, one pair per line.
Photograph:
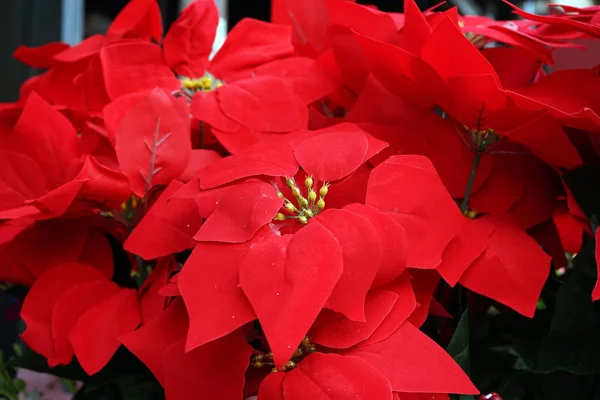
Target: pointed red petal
331, 376
96, 335
190, 39
207, 370
134, 66
335, 331
67, 310
56, 137
512, 270
251, 43
199, 159
362, 258
270, 159
47, 290
149, 342
288, 280
403, 308
272, 386
424, 283
102, 183
317, 157
39, 57
241, 212
153, 142
392, 239
464, 249
263, 103
410, 188
139, 19
168, 227
209, 286
414, 363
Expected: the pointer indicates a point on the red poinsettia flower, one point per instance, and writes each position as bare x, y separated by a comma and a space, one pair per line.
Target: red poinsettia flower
48, 170
73, 309
74, 77
386, 352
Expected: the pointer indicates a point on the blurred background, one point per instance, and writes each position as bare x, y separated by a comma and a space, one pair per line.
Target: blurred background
35, 22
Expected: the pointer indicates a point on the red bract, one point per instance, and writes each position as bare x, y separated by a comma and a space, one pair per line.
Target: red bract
327, 373
139, 19
152, 142
396, 185
56, 241
189, 41
288, 282
70, 310
167, 228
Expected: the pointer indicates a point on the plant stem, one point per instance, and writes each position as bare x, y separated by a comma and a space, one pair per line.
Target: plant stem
465, 203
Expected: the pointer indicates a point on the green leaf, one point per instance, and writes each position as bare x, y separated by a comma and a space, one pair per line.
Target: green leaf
458, 347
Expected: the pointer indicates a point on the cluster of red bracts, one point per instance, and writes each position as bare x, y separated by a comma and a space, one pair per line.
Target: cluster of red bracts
326, 172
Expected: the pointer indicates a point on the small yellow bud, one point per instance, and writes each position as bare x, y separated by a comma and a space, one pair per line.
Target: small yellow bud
133, 273
258, 364
124, 205
308, 182
187, 83
312, 195
303, 202
134, 202
280, 195
471, 214
311, 348
219, 84
290, 365
298, 353
290, 207
321, 204
290, 182
303, 220
324, 190
206, 83
274, 370
280, 217
308, 213
296, 192
305, 341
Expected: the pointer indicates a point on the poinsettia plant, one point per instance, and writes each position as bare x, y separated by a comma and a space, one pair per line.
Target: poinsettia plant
341, 204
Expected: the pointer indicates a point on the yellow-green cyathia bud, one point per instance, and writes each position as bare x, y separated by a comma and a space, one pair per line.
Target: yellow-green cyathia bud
324, 190
308, 181
321, 204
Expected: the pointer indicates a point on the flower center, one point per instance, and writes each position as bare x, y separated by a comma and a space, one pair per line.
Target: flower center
266, 360
305, 207
481, 139
206, 83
